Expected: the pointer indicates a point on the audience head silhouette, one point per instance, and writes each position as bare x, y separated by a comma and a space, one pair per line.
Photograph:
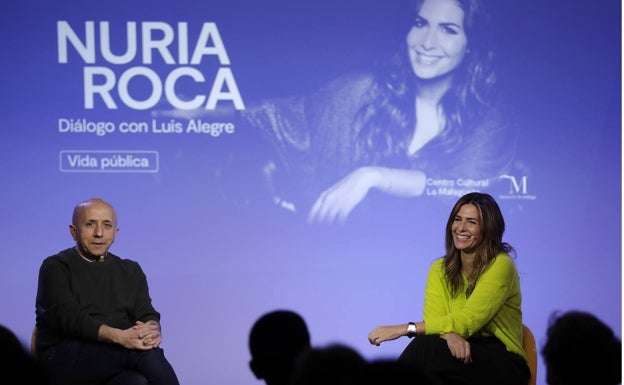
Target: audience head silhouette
276, 339
581, 349
391, 372
16, 364
335, 364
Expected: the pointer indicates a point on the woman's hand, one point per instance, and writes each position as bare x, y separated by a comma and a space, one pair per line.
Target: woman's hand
386, 333
459, 347
336, 203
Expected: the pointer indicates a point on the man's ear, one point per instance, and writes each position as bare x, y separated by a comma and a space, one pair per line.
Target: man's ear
72, 231
256, 369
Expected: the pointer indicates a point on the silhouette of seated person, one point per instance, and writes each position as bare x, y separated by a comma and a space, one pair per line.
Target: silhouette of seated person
276, 339
16, 363
581, 349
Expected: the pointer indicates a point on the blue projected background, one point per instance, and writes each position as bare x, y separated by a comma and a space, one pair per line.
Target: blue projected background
222, 235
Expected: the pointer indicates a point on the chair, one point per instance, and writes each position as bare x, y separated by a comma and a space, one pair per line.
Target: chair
528, 343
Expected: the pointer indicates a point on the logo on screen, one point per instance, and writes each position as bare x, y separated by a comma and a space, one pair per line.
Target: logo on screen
518, 187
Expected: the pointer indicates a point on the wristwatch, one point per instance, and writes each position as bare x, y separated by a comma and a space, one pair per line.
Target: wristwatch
411, 330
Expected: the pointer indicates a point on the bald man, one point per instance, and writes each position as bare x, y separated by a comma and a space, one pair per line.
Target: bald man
95, 319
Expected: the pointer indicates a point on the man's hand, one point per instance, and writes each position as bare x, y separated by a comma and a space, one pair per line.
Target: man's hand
149, 333
141, 336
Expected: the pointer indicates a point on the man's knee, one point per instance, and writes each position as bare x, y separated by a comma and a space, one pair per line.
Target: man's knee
128, 377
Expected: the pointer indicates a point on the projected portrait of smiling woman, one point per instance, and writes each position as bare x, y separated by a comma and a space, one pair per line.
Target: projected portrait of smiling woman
421, 124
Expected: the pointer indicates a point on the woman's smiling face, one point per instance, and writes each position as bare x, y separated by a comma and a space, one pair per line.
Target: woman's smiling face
466, 227
437, 41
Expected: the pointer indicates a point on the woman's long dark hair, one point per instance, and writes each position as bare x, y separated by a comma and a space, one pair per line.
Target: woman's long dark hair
386, 124
492, 229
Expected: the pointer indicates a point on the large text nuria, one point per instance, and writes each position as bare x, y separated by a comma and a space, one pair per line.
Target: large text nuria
124, 64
